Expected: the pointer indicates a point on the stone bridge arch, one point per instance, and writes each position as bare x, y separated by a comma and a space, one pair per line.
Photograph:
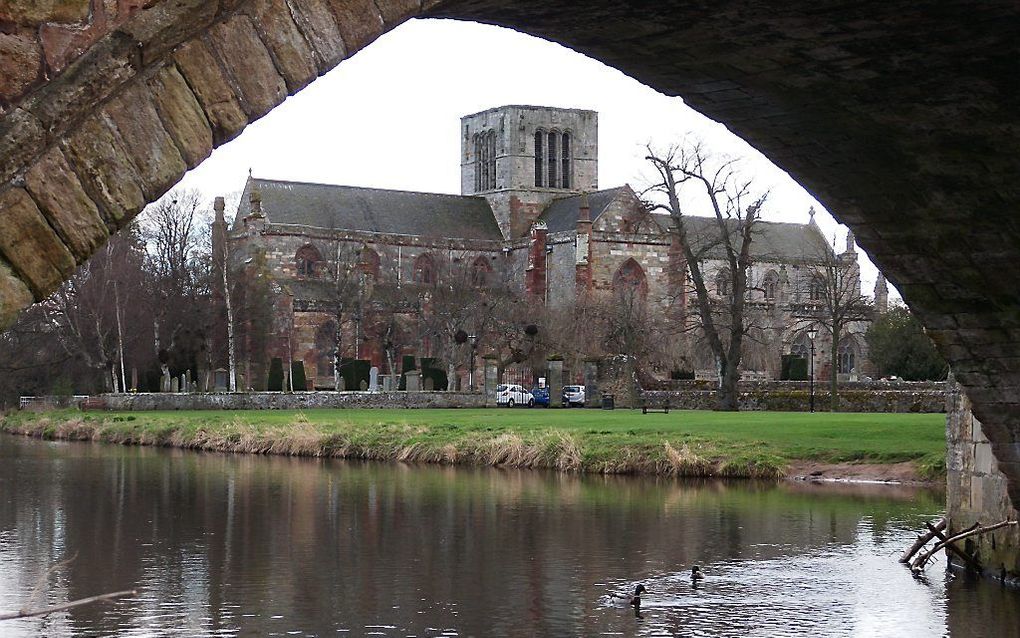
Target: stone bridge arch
903, 117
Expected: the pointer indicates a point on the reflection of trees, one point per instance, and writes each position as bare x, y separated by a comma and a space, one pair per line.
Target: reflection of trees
331, 544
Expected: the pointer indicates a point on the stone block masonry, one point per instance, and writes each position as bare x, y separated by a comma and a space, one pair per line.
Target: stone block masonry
977, 492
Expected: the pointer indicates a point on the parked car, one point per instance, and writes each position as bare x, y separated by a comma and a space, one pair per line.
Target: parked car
511, 394
541, 396
573, 395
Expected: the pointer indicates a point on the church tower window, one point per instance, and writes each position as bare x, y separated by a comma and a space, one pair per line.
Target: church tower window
565, 174
478, 162
539, 139
491, 168
551, 165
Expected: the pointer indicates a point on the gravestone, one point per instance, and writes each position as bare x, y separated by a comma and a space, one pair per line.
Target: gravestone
373, 379
430, 384
413, 378
221, 383
175, 385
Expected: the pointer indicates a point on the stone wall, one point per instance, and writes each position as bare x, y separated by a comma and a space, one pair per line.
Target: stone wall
290, 400
977, 491
795, 396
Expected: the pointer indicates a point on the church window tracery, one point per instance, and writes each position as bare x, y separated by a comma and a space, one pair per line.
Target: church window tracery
425, 269
491, 166
480, 272
816, 291
630, 279
722, 283
771, 285
539, 141
307, 261
553, 156
847, 359
565, 172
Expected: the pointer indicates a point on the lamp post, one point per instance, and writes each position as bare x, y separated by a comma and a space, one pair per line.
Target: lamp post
811, 334
471, 375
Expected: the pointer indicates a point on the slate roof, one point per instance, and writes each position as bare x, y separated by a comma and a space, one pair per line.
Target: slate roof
562, 213
772, 241
372, 210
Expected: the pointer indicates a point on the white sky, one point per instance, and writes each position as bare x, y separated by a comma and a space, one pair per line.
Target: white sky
389, 118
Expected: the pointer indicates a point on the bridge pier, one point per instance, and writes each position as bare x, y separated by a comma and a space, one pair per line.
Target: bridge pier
978, 492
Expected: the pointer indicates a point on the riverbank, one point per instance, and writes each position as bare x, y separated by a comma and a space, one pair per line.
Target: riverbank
681, 443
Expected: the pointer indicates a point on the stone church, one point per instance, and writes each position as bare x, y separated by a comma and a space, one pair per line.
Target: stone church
530, 208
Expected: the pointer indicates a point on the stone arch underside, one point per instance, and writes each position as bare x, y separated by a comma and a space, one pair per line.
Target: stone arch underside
903, 118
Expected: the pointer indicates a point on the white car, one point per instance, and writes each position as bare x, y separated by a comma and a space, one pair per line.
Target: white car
573, 395
511, 395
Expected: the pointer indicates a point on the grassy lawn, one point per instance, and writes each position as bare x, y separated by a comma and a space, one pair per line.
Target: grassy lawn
682, 442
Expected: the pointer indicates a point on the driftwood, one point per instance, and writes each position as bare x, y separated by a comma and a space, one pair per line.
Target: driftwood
43, 611
973, 530
922, 539
951, 547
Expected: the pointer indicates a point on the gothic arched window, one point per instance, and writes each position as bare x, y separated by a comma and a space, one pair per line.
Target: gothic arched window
847, 356
565, 172
480, 271
425, 269
370, 262
491, 167
478, 162
771, 285
553, 157
816, 292
630, 278
539, 141
722, 283
801, 346
307, 261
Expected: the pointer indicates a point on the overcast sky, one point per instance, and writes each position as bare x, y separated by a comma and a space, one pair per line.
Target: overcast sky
389, 118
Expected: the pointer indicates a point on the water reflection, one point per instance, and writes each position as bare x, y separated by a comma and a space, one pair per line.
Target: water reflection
232, 545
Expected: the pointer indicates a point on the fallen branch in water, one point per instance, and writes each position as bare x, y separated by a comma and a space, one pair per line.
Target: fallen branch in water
967, 558
974, 530
27, 613
922, 540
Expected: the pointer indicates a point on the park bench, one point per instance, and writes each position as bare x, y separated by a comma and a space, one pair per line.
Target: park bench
663, 409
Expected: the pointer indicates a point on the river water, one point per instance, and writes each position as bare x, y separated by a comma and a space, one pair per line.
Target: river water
249, 546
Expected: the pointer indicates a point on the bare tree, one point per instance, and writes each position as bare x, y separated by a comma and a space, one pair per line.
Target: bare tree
835, 290
180, 269
735, 209
346, 280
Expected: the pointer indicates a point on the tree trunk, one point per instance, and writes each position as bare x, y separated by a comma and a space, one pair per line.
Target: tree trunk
337, 338
231, 356
834, 375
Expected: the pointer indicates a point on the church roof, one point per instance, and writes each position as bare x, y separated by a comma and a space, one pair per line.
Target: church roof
771, 241
373, 210
562, 213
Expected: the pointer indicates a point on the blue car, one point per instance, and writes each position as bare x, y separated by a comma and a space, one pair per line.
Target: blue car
541, 396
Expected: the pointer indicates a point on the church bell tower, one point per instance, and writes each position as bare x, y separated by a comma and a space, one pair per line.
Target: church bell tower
520, 158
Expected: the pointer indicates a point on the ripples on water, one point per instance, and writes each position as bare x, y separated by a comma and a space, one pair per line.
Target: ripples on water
243, 546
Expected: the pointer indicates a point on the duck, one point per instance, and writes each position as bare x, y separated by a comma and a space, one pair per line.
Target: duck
632, 599
696, 574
